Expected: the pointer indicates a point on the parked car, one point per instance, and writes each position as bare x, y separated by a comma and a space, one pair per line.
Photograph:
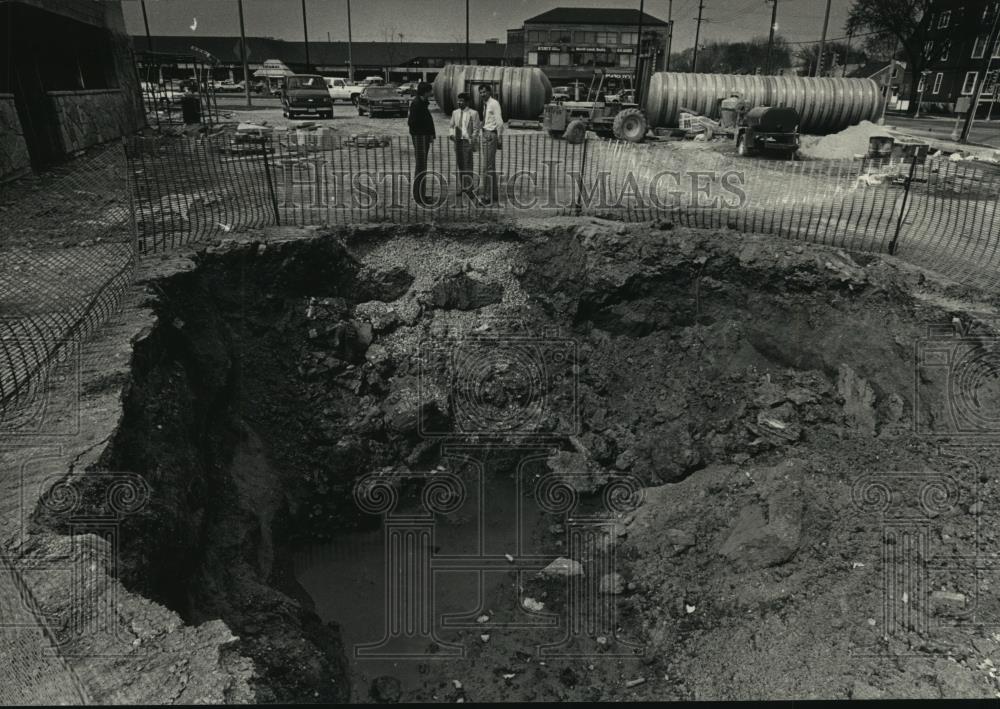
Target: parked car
561, 93
382, 99
343, 90
161, 94
306, 93
374, 80
408, 89
228, 85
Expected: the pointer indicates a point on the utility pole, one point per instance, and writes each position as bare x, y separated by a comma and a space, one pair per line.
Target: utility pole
466, 31
670, 34
305, 34
350, 46
991, 41
822, 42
847, 52
145, 21
697, 35
770, 36
243, 55
638, 50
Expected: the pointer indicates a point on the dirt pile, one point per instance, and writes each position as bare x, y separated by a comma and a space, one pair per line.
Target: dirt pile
846, 144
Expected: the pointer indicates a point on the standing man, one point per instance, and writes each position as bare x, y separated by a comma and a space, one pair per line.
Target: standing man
464, 131
422, 134
492, 142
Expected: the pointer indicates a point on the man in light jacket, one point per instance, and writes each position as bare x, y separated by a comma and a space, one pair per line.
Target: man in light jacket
465, 129
492, 141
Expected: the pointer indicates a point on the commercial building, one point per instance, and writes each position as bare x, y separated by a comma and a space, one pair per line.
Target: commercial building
395, 61
67, 80
964, 44
570, 43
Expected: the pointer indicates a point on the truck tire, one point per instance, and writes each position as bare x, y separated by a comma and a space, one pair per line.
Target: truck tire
575, 132
630, 125
557, 134
354, 99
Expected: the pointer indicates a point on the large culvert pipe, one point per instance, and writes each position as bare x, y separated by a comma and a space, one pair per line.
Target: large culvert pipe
523, 91
825, 105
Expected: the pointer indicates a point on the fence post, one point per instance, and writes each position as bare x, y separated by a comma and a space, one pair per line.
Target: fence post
270, 183
902, 211
583, 171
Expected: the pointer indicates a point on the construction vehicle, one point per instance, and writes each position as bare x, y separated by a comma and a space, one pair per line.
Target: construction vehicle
768, 129
611, 109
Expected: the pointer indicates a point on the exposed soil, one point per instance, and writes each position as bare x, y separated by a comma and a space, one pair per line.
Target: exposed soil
749, 387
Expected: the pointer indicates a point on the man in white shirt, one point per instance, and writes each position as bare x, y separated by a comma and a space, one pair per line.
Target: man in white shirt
492, 141
464, 130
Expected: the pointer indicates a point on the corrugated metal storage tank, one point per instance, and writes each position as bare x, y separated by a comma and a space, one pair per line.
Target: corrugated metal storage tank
825, 105
524, 91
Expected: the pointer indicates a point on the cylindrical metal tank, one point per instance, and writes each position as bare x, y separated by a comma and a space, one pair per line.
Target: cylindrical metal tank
524, 91
826, 105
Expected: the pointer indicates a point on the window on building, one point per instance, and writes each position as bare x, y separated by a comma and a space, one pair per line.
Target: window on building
626, 60
979, 46
921, 85
607, 38
560, 37
938, 78
969, 85
532, 58
928, 48
945, 19
630, 38
537, 36
945, 50
996, 49
585, 37
990, 84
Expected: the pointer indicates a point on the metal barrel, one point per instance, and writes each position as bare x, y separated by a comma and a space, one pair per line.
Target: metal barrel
524, 91
825, 105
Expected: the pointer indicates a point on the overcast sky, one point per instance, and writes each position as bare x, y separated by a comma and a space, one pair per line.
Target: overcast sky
444, 20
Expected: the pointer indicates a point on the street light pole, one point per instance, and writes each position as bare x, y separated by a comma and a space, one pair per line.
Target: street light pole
243, 55
305, 34
145, 22
638, 49
350, 46
770, 37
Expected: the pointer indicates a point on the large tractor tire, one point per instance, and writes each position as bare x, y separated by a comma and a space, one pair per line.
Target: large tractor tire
575, 132
630, 125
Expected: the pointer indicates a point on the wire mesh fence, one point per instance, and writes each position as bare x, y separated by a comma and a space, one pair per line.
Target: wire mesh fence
67, 256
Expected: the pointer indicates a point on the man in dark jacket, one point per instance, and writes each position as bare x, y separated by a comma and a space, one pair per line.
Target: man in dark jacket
422, 134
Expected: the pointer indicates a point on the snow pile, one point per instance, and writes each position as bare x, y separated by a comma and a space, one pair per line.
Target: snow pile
845, 144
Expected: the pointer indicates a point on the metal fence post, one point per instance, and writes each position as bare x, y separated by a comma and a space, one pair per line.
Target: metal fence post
270, 182
583, 171
902, 211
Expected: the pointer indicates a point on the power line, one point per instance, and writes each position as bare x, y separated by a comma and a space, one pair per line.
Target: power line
697, 35
834, 39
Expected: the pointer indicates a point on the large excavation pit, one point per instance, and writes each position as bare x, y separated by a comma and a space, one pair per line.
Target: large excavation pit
366, 448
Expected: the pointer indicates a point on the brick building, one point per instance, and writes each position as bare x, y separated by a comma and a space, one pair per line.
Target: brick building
569, 43
964, 41
67, 80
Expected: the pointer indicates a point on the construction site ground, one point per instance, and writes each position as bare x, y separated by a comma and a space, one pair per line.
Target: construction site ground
761, 391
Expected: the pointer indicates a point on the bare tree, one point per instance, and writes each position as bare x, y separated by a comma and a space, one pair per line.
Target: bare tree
905, 24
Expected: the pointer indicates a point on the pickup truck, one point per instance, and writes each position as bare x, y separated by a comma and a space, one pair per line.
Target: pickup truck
304, 93
342, 90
